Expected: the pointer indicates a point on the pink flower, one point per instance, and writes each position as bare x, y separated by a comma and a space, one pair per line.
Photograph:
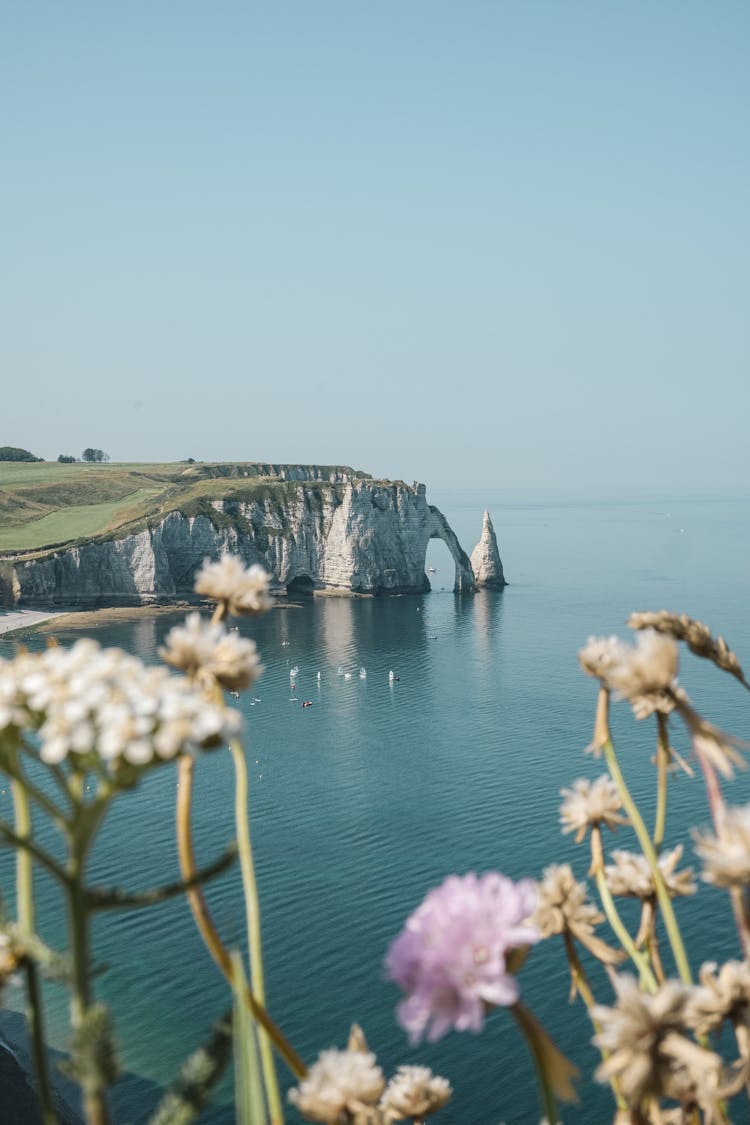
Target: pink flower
450, 956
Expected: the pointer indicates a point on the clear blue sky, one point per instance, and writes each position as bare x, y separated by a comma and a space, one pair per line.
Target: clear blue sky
445, 241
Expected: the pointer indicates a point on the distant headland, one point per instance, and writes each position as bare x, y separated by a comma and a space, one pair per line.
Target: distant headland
103, 534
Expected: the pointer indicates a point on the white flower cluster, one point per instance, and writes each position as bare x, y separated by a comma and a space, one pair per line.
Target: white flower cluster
338, 1082
415, 1092
589, 804
88, 699
644, 673
726, 856
241, 590
205, 648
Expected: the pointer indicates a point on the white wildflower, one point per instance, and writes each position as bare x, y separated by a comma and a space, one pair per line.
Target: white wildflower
644, 673
415, 1092
338, 1082
726, 856
86, 699
206, 649
648, 1052
590, 803
601, 654
242, 590
722, 994
631, 876
562, 907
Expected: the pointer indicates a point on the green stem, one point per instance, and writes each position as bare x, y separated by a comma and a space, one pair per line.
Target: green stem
648, 980
577, 972
647, 847
205, 923
26, 920
252, 912
548, 1098
92, 1088
9, 838
662, 763
17, 775
581, 982
81, 835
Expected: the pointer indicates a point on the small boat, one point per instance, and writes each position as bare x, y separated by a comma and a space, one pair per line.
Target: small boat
363, 673
431, 570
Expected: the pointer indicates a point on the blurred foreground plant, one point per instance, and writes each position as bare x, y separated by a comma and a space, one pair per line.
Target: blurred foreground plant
80, 727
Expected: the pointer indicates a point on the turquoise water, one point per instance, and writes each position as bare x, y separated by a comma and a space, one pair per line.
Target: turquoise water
367, 799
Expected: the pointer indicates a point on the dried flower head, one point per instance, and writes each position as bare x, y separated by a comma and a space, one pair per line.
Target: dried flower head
649, 1054
589, 804
240, 589
450, 958
339, 1083
696, 635
561, 903
600, 655
726, 856
12, 954
205, 649
562, 907
722, 994
721, 750
415, 1092
644, 673
89, 700
631, 876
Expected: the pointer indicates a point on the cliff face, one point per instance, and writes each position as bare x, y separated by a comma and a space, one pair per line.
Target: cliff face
360, 536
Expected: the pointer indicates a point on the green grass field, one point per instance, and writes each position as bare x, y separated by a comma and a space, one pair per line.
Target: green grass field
70, 523
46, 504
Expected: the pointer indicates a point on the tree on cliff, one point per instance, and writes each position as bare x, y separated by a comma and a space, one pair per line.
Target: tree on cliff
11, 453
94, 455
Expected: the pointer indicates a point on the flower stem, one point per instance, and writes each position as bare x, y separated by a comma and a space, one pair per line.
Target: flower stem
717, 806
580, 981
252, 909
647, 847
26, 920
205, 922
662, 762
547, 1097
81, 837
613, 917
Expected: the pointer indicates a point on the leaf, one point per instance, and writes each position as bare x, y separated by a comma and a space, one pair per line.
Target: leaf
249, 1100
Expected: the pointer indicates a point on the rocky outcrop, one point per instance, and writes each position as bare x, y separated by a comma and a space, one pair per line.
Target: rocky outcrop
359, 536
485, 559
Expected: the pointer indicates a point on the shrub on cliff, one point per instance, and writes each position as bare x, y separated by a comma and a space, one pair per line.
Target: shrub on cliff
12, 453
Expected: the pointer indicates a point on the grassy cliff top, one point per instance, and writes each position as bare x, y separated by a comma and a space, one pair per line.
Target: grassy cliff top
46, 504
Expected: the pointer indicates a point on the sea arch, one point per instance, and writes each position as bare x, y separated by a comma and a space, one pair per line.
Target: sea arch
439, 528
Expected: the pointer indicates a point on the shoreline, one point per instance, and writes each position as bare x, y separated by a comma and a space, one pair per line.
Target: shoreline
16, 623
17, 620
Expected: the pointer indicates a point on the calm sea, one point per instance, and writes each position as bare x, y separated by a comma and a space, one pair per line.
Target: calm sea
364, 801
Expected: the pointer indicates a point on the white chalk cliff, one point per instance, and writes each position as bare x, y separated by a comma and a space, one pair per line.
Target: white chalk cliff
354, 535
485, 559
